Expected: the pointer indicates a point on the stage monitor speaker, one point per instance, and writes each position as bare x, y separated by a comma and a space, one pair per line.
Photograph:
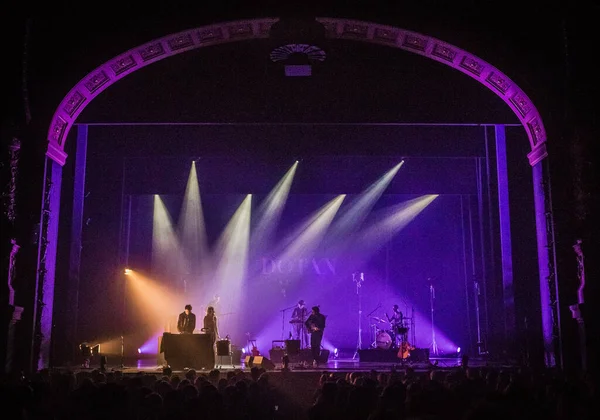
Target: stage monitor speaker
292, 347
419, 355
263, 362
303, 355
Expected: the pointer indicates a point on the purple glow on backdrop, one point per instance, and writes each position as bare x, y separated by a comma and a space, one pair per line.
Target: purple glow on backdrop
423, 333
396, 271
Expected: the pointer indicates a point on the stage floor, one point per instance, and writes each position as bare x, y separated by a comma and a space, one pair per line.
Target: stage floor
150, 366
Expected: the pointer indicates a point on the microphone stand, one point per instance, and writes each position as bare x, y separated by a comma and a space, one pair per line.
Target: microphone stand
283, 311
373, 311
359, 281
372, 331
479, 343
434, 347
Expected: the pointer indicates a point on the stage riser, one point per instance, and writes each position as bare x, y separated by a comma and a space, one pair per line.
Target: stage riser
391, 356
305, 355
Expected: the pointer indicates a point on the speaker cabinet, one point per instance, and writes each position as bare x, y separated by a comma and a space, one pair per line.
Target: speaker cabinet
292, 347
259, 361
419, 355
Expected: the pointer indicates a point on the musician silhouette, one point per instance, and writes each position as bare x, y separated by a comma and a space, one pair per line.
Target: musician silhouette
397, 318
299, 316
316, 324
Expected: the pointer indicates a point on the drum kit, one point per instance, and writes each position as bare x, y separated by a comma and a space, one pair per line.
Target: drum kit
390, 336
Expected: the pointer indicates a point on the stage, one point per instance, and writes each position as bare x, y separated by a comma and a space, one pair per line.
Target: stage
337, 365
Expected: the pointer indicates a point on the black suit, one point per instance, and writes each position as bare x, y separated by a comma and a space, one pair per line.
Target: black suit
317, 321
186, 324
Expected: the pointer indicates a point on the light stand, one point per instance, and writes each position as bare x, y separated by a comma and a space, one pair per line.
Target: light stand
434, 347
358, 279
477, 294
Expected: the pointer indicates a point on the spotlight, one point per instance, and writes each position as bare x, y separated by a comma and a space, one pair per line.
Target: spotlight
458, 349
335, 353
89, 351
85, 350
128, 271
139, 351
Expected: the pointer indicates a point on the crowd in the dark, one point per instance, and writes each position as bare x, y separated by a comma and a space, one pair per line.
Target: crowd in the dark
460, 393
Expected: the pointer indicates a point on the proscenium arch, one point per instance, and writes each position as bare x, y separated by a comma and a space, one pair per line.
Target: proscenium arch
114, 70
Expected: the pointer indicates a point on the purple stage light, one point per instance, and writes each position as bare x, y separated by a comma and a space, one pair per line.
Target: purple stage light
151, 345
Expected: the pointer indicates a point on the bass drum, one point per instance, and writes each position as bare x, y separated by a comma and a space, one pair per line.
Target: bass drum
383, 340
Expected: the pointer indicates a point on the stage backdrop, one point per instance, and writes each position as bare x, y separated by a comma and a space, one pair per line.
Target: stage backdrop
398, 268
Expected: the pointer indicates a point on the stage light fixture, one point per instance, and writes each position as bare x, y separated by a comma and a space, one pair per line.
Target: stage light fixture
139, 351
127, 271
85, 350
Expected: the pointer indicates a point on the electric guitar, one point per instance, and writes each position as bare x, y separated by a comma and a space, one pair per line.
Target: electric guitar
404, 350
313, 328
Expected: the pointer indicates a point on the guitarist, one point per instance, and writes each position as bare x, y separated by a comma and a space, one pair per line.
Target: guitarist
315, 324
299, 316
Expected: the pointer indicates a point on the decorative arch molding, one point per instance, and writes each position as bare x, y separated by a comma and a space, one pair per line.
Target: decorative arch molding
121, 66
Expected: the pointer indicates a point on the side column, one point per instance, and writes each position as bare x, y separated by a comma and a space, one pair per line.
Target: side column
505, 239
72, 294
12, 313
544, 221
46, 266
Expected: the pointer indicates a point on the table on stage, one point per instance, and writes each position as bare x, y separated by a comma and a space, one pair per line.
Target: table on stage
188, 350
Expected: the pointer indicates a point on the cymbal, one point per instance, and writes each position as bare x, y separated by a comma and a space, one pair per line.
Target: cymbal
378, 319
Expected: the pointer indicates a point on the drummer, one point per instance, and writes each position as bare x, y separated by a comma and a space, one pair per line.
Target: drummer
396, 320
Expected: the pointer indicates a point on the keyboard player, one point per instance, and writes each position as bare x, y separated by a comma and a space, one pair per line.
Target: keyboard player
299, 317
